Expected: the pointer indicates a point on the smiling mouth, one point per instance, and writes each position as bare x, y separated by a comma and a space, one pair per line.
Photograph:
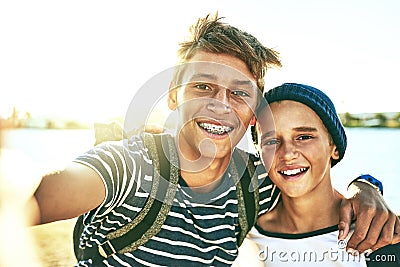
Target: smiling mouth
293, 172
214, 128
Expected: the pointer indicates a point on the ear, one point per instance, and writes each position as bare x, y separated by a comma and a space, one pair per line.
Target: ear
253, 121
335, 153
172, 98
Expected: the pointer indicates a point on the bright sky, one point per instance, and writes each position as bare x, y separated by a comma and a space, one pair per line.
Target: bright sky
86, 59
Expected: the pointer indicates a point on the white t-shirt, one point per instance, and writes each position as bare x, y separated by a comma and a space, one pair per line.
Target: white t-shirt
319, 247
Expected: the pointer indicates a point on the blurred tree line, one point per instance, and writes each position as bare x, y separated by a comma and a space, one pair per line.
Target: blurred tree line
390, 120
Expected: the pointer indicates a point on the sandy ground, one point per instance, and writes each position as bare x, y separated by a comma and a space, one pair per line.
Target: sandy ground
53, 243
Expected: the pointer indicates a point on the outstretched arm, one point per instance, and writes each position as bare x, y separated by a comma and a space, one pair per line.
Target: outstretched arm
66, 194
376, 225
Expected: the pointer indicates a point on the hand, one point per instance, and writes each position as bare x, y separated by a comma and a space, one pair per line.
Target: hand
154, 128
113, 131
376, 225
17, 183
19, 178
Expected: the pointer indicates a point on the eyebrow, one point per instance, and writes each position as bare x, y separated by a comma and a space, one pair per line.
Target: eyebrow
214, 78
204, 76
243, 82
305, 129
267, 134
297, 129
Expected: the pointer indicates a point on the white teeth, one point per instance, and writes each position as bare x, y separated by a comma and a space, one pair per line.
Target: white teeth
215, 129
294, 171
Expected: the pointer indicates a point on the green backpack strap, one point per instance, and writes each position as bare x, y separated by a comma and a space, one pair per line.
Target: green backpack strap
78, 230
152, 216
246, 190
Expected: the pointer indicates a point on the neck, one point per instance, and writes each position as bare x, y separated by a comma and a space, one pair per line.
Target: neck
316, 210
202, 174
207, 179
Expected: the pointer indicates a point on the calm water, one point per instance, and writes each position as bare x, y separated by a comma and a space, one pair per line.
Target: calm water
374, 151
52, 148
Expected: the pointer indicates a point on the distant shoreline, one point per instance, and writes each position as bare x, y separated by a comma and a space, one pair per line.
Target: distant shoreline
351, 120
368, 120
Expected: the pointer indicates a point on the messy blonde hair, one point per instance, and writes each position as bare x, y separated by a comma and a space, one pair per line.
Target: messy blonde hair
209, 34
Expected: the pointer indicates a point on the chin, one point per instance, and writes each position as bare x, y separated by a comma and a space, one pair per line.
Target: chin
220, 153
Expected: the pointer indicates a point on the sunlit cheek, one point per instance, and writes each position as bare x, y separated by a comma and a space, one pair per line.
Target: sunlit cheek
250, 106
248, 110
267, 156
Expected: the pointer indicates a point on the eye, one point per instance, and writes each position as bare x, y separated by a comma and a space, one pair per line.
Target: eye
203, 86
305, 137
240, 93
270, 142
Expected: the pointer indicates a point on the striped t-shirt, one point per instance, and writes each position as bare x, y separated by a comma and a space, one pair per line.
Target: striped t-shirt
200, 229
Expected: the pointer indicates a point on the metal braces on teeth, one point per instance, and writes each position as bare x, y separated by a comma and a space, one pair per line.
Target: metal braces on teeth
215, 128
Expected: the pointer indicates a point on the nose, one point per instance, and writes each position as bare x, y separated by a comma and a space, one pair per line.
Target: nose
220, 102
288, 151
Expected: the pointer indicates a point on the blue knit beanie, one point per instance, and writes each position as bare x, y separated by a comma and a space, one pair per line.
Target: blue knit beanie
317, 101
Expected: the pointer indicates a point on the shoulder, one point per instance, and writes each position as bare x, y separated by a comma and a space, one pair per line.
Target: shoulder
122, 149
122, 166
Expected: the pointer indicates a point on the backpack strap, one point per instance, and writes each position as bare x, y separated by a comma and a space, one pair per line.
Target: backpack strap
152, 216
246, 190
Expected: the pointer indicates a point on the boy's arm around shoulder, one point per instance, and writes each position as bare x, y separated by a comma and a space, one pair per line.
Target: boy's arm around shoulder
66, 194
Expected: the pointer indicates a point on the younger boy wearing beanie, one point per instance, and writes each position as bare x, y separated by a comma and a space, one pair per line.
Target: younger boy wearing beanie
300, 138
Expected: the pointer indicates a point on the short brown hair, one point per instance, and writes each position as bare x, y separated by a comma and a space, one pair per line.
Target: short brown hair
211, 35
